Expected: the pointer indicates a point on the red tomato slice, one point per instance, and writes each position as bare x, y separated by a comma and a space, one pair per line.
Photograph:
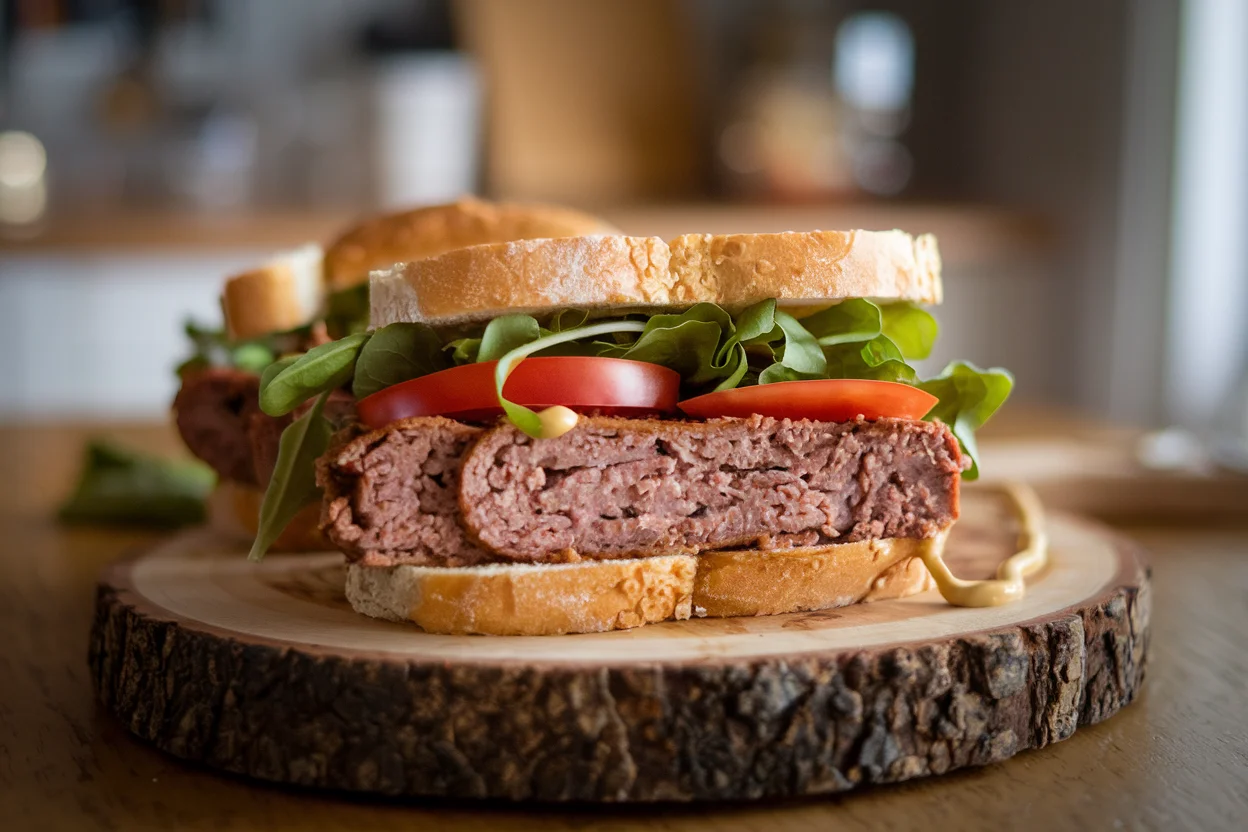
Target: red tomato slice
606, 385
825, 400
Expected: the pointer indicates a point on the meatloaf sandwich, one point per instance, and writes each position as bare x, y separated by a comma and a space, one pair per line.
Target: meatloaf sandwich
594, 433
303, 299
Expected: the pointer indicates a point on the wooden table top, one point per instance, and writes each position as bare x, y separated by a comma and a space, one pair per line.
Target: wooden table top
1176, 758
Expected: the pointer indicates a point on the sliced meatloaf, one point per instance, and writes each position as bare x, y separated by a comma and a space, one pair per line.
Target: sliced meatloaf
219, 417
392, 495
633, 487
214, 409
629, 487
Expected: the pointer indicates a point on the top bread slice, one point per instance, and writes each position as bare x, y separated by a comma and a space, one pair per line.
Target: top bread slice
811, 269
289, 291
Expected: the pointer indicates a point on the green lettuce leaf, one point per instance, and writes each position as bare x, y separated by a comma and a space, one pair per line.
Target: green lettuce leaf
121, 486
968, 398
293, 484
395, 354
317, 371
521, 416
801, 352
846, 322
464, 350
347, 311
912, 328
213, 348
502, 335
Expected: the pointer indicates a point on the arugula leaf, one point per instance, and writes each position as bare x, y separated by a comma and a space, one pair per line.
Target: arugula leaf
464, 350
801, 350
521, 416
878, 359
968, 398
739, 360
755, 321
293, 483
688, 347
270, 372
252, 357
851, 320
778, 372
910, 327
688, 343
397, 353
347, 311
566, 319
502, 335
118, 485
319, 370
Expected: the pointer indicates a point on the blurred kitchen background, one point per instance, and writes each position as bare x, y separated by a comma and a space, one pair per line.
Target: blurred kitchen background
1085, 165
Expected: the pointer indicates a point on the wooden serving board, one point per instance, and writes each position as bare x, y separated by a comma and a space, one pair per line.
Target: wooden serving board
264, 670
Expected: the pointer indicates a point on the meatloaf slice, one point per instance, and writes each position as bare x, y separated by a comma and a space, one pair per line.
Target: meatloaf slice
627, 487
391, 496
214, 408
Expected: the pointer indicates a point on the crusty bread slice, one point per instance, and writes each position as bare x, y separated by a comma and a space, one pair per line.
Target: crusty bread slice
286, 292
382, 241
290, 290
595, 596
812, 268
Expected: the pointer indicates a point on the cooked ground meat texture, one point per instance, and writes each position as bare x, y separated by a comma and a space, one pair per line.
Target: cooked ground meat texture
214, 410
264, 432
626, 488
391, 496
218, 414
630, 487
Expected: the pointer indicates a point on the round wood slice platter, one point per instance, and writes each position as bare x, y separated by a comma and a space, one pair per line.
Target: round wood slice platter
264, 670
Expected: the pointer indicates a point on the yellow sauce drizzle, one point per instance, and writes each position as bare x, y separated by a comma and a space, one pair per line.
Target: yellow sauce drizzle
1033, 554
556, 421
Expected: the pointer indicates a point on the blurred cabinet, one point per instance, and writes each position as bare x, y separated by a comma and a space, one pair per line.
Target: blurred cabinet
99, 335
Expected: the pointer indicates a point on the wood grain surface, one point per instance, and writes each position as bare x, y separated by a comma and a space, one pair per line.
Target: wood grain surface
264, 670
1175, 759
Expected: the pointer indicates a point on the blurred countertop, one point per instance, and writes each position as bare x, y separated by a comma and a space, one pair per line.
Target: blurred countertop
968, 234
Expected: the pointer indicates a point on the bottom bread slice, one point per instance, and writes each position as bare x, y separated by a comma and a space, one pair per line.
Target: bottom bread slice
595, 596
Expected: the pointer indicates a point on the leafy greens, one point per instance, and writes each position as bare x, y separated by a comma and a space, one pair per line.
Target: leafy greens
711, 349
121, 486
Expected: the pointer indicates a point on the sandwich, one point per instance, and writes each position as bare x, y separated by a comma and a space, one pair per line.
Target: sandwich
302, 299
600, 432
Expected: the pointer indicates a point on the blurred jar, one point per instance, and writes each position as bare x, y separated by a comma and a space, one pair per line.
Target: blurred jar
820, 106
427, 109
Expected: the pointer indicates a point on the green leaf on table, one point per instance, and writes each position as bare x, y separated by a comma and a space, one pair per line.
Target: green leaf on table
293, 483
395, 354
968, 398
120, 486
319, 370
